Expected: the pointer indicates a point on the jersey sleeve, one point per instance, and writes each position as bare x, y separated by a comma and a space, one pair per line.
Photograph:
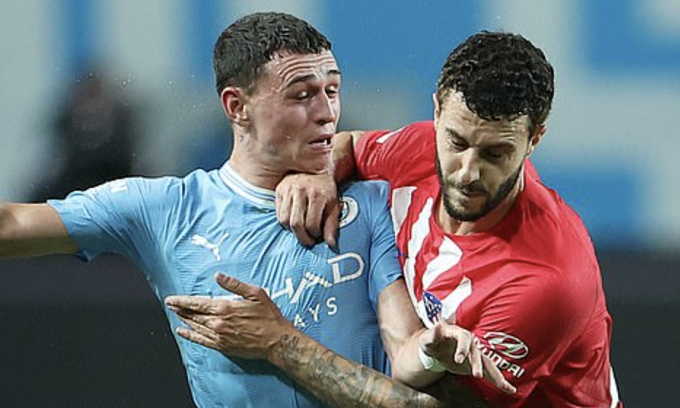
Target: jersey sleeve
527, 327
126, 217
400, 157
384, 264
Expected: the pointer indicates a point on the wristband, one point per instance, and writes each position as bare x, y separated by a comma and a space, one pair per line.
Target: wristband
430, 363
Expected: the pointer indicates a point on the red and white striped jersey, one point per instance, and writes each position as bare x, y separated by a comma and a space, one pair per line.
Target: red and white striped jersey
529, 288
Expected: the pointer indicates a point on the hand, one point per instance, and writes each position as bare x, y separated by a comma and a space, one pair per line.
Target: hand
248, 327
308, 205
455, 348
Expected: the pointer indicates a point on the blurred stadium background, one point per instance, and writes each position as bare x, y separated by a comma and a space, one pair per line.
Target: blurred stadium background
76, 336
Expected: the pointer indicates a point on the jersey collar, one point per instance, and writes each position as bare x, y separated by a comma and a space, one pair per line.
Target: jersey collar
257, 195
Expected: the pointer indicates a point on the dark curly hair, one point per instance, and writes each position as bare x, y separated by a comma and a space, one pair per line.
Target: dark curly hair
252, 41
500, 75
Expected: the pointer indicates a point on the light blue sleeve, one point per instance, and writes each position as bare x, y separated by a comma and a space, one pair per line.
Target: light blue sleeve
385, 267
127, 217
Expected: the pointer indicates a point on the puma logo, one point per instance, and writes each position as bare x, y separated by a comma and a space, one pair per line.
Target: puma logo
201, 241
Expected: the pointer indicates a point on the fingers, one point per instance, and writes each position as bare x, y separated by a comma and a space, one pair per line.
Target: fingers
196, 337
464, 346
308, 206
233, 285
291, 207
444, 341
199, 304
297, 224
283, 203
466, 350
331, 224
480, 365
494, 376
316, 205
475, 359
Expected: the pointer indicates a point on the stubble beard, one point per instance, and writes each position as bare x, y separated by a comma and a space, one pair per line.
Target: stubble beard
461, 214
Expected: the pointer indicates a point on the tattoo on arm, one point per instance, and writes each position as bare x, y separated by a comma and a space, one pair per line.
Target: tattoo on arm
344, 383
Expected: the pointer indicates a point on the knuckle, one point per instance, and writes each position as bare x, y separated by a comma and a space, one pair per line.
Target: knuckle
220, 326
211, 324
298, 228
316, 193
221, 309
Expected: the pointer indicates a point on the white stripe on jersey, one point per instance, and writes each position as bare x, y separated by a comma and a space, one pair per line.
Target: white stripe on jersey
452, 302
449, 255
382, 139
401, 201
419, 231
613, 390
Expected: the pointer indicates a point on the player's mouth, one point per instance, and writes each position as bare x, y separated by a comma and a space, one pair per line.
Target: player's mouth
323, 142
470, 194
466, 197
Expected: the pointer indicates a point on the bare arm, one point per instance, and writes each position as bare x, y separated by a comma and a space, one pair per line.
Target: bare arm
28, 230
405, 339
400, 329
343, 383
254, 328
343, 155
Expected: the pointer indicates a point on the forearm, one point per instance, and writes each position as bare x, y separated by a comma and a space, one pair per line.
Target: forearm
343, 156
341, 382
407, 367
32, 230
401, 329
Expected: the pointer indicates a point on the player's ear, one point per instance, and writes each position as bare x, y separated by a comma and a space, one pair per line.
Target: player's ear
536, 138
437, 110
234, 102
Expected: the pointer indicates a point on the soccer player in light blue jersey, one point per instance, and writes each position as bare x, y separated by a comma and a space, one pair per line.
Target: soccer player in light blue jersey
279, 86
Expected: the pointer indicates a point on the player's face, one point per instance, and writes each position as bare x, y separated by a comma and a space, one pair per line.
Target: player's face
294, 111
479, 162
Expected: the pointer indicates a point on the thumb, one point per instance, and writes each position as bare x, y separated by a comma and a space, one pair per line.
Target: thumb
451, 319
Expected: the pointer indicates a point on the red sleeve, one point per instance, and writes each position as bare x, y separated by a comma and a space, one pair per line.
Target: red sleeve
530, 323
400, 157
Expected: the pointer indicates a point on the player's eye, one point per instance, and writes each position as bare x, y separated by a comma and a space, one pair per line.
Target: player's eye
457, 144
494, 154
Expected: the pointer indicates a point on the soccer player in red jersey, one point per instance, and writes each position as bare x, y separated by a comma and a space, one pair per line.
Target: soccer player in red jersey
483, 243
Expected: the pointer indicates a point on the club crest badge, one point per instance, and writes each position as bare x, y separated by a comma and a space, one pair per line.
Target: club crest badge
433, 307
349, 212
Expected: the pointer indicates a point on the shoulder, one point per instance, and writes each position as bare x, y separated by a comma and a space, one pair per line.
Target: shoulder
366, 192
367, 201
425, 128
171, 188
416, 129
150, 192
369, 197
552, 228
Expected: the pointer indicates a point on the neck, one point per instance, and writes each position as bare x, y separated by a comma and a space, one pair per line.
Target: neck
247, 162
453, 226
254, 173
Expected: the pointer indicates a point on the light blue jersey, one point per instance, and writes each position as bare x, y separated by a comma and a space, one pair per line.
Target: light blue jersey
181, 231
